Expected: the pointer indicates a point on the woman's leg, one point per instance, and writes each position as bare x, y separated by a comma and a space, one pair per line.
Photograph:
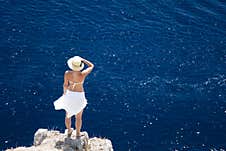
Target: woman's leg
78, 123
68, 123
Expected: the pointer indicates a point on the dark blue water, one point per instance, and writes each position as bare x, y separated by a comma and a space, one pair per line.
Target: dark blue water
159, 81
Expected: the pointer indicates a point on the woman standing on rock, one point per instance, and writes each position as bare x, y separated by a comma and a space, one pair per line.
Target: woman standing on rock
73, 100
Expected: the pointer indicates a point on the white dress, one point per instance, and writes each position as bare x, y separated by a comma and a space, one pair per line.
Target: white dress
72, 102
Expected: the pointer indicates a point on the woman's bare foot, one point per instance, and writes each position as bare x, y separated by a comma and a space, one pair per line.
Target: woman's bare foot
69, 132
79, 135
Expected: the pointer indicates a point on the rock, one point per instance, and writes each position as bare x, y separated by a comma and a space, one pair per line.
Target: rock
52, 140
100, 144
40, 135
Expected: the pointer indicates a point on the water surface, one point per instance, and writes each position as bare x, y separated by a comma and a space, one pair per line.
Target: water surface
159, 81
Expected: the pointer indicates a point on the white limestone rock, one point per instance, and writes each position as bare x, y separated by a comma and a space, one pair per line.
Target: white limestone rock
100, 144
40, 135
52, 140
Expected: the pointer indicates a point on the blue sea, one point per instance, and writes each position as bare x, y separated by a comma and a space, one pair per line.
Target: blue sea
159, 82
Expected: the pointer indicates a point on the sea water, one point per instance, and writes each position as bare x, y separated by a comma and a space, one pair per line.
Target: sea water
159, 81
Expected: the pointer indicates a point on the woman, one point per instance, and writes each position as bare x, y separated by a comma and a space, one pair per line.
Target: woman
73, 100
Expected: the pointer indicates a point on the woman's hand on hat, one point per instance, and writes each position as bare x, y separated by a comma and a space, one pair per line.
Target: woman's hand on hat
82, 59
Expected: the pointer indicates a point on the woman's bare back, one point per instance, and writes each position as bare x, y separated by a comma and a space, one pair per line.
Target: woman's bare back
75, 81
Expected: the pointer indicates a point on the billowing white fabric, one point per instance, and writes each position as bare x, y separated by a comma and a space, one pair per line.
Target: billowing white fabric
71, 102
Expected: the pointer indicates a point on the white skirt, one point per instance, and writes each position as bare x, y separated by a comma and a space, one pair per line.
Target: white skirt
72, 102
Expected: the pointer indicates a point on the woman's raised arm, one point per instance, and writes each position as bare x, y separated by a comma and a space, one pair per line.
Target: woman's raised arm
90, 67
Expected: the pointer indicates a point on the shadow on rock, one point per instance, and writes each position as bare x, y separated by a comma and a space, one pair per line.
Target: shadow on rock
70, 144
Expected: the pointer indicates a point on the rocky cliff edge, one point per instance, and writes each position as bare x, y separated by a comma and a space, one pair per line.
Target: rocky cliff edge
52, 140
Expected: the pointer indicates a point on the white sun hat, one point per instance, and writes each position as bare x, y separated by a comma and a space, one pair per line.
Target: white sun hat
75, 63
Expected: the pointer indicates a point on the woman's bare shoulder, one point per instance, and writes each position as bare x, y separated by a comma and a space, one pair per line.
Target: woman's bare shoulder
67, 73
